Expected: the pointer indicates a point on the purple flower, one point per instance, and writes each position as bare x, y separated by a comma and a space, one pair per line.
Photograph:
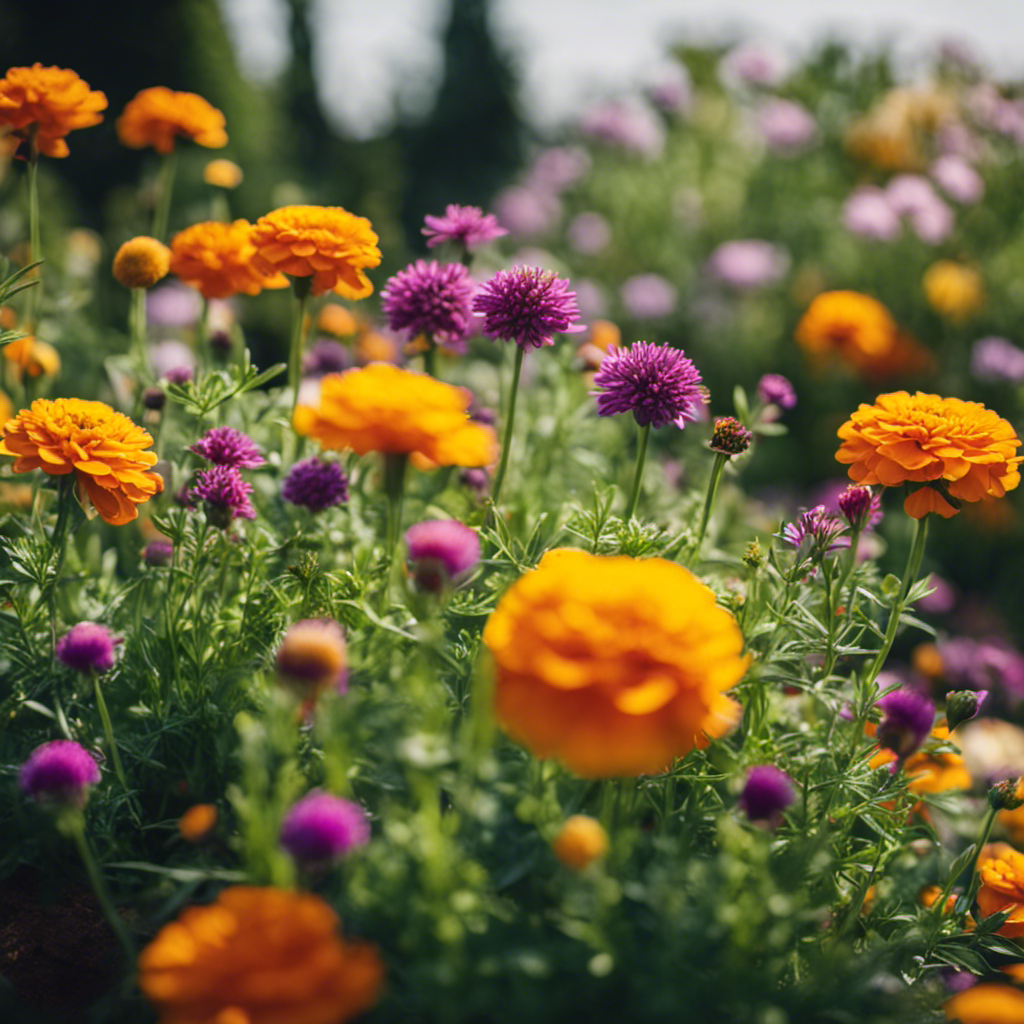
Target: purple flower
527, 305
933, 223
589, 233
225, 495
997, 359
958, 179
868, 213
670, 87
558, 167
172, 305
730, 437
748, 263
158, 552
154, 398
225, 446
940, 600
61, 770
180, 374
467, 226
315, 484
909, 192
818, 527
787, 126
777, 390
861, 507
626, 123
171, 355
321, 828
591, 299
754, 63
441, 552
528, 211
430, 298
983, 665
767, 793
326, 356
909, 717
648, 296
87, 647
656, 383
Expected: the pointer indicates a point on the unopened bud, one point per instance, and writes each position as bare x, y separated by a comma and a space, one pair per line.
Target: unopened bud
752, 557
1006, 795
962, 705
730, 437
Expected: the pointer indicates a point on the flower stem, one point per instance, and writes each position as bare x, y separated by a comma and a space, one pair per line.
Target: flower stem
137, 329
35, 296
108, 731
394, 489
162, 213
709, 502
430, 357
641, 458
300, 288
506, 444
972, 890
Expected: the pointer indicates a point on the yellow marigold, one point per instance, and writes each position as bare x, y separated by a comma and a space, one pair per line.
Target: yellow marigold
856, 327
197, 822
41, 105
326, 243
1002, 888
374, 347
223, 174
960, 450
258, 956
154, 117
953, 290
216, 259
141, 262
580, 841
613, 665
383, 408
337, 320
102, 447
33, 357
6, 409
986, 1004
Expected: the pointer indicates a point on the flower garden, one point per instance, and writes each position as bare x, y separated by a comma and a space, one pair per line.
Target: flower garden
612, 613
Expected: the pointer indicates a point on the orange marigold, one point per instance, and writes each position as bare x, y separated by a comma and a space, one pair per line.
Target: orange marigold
41, 105
258, 956
953, 290
960, 450
929, 770
33, 357
613, 665
223, 174
986, 1004
383, 408
216, 259
856, 327
102, 447
580, 841
154, 117
1002, 888
326, 243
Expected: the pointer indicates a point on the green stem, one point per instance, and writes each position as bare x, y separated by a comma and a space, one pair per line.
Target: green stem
972, 891
641, 458
430, 357
35, 295
162, 213
300, 288
137, 330
59, 545
108, 731
394, 489
506, 444
709, 502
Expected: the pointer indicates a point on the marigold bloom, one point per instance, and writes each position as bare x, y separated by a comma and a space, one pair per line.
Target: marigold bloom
102, 447
223, 174
141, 262
216, 259
1002, 888
953, 290
613, 665
156, 116
383, 408
580, 841
961, 450
43, 104
326, 243
986, 1004
929, 771
856, 327
197, 822
258, 956
33, 357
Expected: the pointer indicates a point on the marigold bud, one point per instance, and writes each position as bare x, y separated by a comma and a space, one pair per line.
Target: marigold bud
141, 262
580, 842
730, 437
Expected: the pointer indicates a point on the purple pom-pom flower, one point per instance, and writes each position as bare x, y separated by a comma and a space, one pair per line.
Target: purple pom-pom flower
767, 793
909, 717
315, 484
658, 384
527, 305
430, 298
777, 390
87, 647
225, 446
441, 552
467, 226
61, 771
321, 828
225, 494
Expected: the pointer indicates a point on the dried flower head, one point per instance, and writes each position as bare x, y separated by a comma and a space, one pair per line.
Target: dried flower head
321, 828
315, 484
325, 243
224, 494
467, 226
42, 105
141, 262
87, 647
430, 298
527, 305
657, 383
158, 116
61, 771
730, 437
102, 447
216, 259
580, 841
312, 657
225, 446
441, 552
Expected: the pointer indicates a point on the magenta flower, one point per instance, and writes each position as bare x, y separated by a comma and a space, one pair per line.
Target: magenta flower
777, 390
958, 179
648, 296
225, 494
997, 359
528, 211
658, 384
908, 721
626, 123
748, 263
158, 552
787, 126
868, 213
819, 528
430, 298
527, 305
441, 552
860, 506
315, 484
767, 793
61, 771
589, 233
467, 226
225, 446
87, 647
321, 828
326, 356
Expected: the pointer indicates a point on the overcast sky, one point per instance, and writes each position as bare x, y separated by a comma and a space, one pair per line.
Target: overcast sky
568, 50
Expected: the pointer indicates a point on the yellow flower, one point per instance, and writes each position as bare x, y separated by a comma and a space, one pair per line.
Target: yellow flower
258, 956
383, 408
197, 822
326, 243
216, 259
613, 665
102, 447
222, 174
855, 327
33, 357
963, 451
1002, 888
986, 1004
312, 657
337, 320
41, 105
155, 117
580, 841
953, 290
141, 262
